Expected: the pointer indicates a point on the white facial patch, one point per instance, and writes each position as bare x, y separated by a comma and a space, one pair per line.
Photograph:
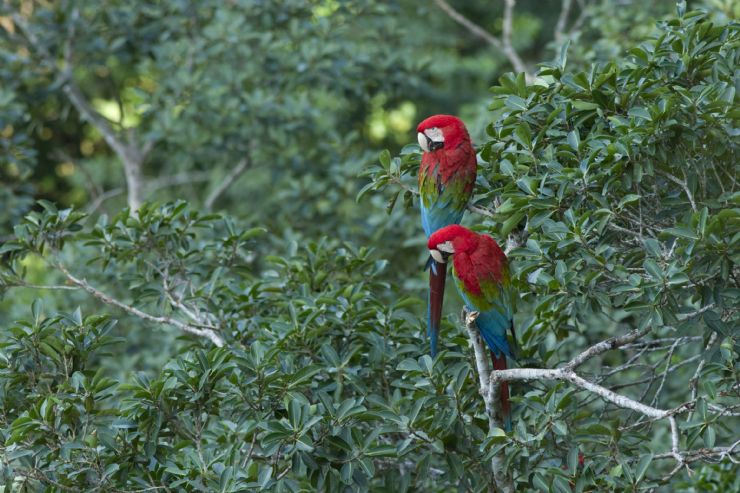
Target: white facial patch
435, 134
437, 256
422, 142
446, 247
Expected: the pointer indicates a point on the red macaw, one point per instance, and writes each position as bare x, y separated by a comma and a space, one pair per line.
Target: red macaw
481, 273
446, 180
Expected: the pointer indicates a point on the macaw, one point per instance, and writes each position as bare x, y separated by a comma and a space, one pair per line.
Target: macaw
481, 273
446, 180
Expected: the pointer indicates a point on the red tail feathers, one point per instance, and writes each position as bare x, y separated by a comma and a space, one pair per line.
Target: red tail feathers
500, 364
437, 276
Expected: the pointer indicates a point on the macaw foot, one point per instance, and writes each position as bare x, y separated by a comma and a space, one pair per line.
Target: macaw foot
470, 317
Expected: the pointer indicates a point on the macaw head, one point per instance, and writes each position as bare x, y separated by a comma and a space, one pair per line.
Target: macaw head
450, 240
441, 132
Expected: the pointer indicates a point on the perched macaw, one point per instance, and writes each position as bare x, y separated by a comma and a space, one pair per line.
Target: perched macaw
446, 180
481, 273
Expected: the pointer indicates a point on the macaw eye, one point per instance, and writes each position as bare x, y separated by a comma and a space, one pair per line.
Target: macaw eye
446, 248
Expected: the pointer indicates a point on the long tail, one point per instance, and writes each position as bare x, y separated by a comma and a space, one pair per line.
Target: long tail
437, 276
499, 363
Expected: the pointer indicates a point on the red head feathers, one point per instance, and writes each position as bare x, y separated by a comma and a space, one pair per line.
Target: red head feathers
441, 132
476, 257
453, 239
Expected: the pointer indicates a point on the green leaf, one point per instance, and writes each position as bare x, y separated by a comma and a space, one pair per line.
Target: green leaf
653, 269
574, 140
539, 482
640, 112
710, 436
628, 199
511, 223
385, 159
36, 307
516, 103
642, 467
563, 57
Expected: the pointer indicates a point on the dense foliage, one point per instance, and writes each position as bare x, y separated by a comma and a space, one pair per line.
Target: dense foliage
272, 347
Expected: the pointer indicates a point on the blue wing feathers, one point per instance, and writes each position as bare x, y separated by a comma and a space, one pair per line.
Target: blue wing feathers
437, 217
492, 325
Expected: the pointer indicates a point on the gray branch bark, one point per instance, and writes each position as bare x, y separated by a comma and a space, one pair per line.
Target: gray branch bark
488, 389
206, 332
230, 179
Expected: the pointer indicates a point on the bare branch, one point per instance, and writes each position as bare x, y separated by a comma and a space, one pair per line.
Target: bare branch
98, 201
474, 28
682, 184
480, 210
567, 374
108, 300
50, 287
508, 48
604, 346
503, 45
489, 391
694, 382
562, 19
705, 453
233, 175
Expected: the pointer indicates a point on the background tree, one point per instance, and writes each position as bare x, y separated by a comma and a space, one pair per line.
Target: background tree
269, 345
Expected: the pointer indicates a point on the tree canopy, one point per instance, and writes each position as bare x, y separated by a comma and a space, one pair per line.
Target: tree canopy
211, 254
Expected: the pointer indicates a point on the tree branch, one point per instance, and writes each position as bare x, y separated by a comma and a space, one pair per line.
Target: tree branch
604, 346
568, 374
682, 184
509, 50
694, 382
562, 19
233, 175
108, 300
503, 45
488, 389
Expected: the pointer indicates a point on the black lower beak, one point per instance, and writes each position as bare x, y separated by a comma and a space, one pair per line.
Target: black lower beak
434, 146
431, 264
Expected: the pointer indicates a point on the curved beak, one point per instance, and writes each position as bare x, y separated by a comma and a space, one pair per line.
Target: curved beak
437, 256
423, 141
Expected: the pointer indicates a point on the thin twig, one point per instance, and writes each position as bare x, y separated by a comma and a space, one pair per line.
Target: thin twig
604, 346
694, 382
508, 48
233, 175
682, 184
480, 210
562, 20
